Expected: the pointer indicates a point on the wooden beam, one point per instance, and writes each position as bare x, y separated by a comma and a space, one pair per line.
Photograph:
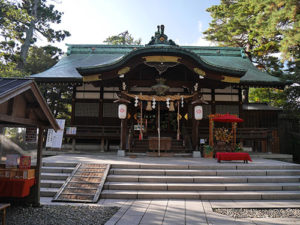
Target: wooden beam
18, 120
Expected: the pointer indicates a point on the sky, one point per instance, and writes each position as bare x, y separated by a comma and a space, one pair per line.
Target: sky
92, 21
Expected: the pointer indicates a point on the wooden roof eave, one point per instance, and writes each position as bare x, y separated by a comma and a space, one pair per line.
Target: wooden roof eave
30, 85
99, 69
45, 108
259, 84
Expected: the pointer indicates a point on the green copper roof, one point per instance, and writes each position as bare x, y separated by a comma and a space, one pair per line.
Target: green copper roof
226, 59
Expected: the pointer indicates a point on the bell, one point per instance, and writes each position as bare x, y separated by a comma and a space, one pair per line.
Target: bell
172, 109
148, 108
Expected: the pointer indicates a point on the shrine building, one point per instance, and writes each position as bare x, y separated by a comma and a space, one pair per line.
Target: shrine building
158, 86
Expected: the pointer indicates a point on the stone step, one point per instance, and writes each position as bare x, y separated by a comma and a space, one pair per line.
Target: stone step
220, 166
48, 192
203, 179
204, 195
54, 176
60, 169
204, 172
59, 164
202, 186
52, 183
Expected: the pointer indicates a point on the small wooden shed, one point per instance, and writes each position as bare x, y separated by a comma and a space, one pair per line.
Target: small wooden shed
22, 105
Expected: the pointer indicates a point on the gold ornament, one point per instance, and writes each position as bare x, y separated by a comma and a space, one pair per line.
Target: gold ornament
172, 108
148, 108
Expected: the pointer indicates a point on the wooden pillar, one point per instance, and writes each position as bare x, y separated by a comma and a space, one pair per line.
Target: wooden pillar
73, 144
101, 105
38, 167
195, 135
73, 105
123, 134
102, 144
241, 111
213, 102
1, 141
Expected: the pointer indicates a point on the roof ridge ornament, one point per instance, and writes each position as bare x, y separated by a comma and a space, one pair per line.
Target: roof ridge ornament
160, 38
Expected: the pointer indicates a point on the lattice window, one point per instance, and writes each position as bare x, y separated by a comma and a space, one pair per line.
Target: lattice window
110, 110
86, 109
231, 109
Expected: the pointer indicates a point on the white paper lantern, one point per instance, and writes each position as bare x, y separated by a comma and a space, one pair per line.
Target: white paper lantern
198, 112
122, 112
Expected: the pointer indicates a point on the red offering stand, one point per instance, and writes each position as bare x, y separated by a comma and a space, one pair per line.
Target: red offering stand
15, 187
228, 156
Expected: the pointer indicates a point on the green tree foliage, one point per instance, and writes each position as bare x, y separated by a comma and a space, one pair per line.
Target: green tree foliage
122, 39
41, 58
11, 17
21, 22
271, 96
262, 27
59, 99
292, 93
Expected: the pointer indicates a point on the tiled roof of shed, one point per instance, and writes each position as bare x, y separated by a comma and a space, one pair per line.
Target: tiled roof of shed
11, 84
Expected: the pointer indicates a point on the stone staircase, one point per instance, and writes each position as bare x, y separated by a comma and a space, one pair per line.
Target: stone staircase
221, 181
53, 176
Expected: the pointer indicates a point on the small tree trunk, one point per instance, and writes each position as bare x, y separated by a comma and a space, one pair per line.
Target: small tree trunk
29, 34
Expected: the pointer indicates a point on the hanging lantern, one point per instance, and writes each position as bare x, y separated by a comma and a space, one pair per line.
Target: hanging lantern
168, 103
136, 101
148, 108
198, 112
122, 112
172, 108
153, 103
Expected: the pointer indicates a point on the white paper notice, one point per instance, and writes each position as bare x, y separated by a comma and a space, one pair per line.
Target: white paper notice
54, 139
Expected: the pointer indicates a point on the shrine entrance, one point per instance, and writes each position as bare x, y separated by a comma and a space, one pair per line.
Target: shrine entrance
168, 123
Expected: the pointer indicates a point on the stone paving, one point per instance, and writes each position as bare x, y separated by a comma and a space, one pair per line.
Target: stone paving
179, 212
111, 158
186, 212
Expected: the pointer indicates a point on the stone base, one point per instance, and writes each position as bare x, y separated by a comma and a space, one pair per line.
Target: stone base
121, 153
196, 154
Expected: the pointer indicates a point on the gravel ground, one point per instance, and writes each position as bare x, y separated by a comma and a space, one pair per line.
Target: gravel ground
260, 213
59, 215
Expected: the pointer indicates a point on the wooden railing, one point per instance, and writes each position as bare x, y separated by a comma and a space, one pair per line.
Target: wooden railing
94, 132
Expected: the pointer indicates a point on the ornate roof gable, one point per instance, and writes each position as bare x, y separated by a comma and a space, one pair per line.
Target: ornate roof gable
160, 38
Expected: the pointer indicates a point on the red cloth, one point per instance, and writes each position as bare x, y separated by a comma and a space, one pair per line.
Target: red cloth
15, 187
233, 156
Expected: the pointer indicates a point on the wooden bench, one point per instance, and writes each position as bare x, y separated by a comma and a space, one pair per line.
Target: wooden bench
3, 207
228, 156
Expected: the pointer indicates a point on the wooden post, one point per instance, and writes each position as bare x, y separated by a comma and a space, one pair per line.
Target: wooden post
141, 121
102, 145
195, 133
123, 133
158, 128
211, 130
1, 140
234, 126
38, 167
178, 123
